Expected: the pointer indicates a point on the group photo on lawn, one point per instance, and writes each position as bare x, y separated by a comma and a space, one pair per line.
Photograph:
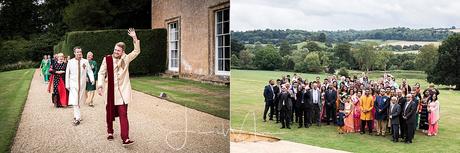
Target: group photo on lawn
350, 77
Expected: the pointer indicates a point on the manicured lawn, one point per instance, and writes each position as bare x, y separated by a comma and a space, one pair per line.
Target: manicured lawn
247, 99
212, 99
13, 95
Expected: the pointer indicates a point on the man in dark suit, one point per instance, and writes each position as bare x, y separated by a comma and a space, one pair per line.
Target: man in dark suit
305, 108
316, 104
269, 96
394, 112
285, 107
298, 104
409, 116
277, 91
331, 98
402, 104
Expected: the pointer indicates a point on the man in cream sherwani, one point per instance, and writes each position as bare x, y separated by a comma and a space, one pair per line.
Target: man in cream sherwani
75, 81
114, 82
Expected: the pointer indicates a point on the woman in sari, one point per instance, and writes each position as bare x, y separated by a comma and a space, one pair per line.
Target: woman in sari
355, 98
423, 111
433, 117
57, 87
45, 66
349, 117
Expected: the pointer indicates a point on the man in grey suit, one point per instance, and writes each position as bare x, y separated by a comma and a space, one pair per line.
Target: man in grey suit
315, 94
394, 112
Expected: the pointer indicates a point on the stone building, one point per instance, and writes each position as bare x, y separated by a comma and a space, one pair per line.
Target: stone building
198, 37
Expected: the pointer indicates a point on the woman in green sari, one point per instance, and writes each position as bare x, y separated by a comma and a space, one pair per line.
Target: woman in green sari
45, 67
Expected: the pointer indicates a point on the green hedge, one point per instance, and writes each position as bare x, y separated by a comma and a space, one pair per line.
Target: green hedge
152, 59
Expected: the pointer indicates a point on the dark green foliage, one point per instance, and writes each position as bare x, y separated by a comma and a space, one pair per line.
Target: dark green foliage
343, 72
285, 48
81, 14
447, 69
267, 58
343, 52
296, 36
18, 18
237, 47
152, 59
312, 46
322, 37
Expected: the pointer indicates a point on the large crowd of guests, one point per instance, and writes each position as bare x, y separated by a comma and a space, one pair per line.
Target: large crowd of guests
354, 104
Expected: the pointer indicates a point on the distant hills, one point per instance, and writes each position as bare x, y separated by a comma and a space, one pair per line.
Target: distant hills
296, 36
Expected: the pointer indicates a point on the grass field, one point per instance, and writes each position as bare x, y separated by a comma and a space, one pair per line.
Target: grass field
247, 99
209, 98
13, 95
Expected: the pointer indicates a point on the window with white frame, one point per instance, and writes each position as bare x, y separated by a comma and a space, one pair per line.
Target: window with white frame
173, 46
222, 47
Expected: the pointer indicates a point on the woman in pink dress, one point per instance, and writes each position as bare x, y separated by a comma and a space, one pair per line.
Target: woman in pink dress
349, 118
356, 110
433, 116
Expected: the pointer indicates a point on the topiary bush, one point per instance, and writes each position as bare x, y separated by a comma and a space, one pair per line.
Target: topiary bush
151, 60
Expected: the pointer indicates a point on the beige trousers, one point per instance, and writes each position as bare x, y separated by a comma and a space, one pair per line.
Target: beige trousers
381, 126
89, 97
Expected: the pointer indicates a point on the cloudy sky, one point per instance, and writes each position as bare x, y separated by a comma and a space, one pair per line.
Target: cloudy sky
314, 15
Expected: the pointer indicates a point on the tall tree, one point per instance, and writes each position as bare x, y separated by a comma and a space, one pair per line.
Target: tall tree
322, 37
312, 46
237, 47
89, 15
427, 58
285, 48
343, 52
19, 18
447, 70
365, 56
51, 11
267, 58
246, 59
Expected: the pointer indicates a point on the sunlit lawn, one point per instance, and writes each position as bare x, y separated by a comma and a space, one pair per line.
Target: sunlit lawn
13, 95
209, 98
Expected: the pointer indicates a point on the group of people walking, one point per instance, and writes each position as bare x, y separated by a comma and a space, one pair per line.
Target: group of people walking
354, 104
74, 81
57, 73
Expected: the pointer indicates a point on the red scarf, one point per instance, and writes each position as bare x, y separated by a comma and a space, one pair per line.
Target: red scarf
110, 108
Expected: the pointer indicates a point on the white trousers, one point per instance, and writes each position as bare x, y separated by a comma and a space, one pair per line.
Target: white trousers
76, 112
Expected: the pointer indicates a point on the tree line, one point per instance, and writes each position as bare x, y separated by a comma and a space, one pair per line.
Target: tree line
30, 28
296, 36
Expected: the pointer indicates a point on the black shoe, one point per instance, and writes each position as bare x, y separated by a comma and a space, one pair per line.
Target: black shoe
127, 143
76, 122
283, 127
110, 137
277, 121
265, 120
289, 127
271, 119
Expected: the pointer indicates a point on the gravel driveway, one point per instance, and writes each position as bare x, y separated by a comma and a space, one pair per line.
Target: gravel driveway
156, 125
